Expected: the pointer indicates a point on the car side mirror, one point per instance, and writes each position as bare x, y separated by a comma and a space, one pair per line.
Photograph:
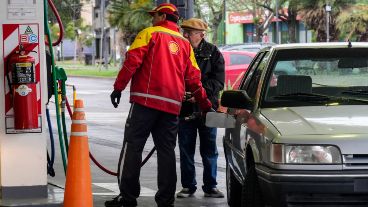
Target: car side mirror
236, 99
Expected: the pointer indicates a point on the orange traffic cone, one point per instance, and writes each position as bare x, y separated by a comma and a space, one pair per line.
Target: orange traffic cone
78, 186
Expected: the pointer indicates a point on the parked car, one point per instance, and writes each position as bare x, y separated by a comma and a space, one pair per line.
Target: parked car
236, 63
250, 47
302, 140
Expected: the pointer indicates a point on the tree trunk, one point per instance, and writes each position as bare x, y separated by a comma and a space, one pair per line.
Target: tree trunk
122, 51
292, 25
215, 25
214, 37
259, 33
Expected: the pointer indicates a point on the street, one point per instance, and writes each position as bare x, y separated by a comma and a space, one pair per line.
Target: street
105, 132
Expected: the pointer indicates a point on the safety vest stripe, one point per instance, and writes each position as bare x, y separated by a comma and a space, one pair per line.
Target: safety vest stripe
79, 122
192, 59
156, 97
78, 134
169, 32
144, 37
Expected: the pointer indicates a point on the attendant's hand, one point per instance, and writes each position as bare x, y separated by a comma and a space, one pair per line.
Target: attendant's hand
115, 98
191, 100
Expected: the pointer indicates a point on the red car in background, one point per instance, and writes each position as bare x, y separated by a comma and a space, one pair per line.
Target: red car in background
236, 63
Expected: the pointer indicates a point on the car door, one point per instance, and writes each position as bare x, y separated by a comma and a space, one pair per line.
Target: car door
238, 137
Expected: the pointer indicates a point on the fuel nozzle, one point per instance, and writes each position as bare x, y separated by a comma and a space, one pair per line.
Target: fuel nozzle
187, 96
193, 116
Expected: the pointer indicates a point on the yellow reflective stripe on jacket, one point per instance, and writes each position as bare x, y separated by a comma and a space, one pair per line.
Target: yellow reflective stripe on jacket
168, 31
142, 39
192, 59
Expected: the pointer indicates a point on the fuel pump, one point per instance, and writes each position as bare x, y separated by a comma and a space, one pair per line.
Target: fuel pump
23, 86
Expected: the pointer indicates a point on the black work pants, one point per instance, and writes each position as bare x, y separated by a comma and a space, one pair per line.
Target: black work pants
163, 126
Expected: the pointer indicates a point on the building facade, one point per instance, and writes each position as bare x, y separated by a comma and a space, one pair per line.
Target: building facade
241, 29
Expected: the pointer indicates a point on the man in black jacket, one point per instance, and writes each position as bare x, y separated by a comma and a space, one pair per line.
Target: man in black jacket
211, 63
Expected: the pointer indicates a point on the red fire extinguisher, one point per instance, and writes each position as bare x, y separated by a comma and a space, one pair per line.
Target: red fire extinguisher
24, 91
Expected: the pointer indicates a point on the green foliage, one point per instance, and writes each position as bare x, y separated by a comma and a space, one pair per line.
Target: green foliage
212, 12
69, 10
70, 30
81, 31
314, 16
130, 16
353, 21
55, 32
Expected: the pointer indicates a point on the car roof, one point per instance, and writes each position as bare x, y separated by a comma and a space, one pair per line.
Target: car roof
318, 45
242, 46
239, 52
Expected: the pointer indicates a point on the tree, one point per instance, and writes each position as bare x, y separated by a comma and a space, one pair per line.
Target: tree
314, 16
262, 10
287, 12
261, 18
212, 11
130, 16
80, 33
354, 21
238, 5
69, 10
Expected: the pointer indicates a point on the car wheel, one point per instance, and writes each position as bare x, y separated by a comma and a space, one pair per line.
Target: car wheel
233, 188
251, 192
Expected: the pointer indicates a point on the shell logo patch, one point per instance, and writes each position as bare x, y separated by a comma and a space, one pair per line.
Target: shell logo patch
173, 47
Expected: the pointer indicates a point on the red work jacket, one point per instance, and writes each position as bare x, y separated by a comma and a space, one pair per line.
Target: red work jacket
161, 65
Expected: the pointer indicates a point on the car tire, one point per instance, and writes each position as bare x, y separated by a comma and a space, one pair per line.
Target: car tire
233, 188
251, 192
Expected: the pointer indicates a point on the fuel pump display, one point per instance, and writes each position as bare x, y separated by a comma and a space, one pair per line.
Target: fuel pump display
24, 91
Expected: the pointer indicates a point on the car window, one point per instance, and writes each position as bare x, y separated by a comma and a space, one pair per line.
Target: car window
239, 59
250, 71
251, 67
252, 85
309, 77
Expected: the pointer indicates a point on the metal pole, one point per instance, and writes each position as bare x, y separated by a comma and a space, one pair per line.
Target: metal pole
75, 47
328, 9
306, 33
106, 46
224, 22
93, 35
190, 8
114, 46
62, 51
102, 8
277, 22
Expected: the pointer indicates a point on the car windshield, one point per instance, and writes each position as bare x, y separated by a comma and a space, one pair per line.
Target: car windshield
306, 77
